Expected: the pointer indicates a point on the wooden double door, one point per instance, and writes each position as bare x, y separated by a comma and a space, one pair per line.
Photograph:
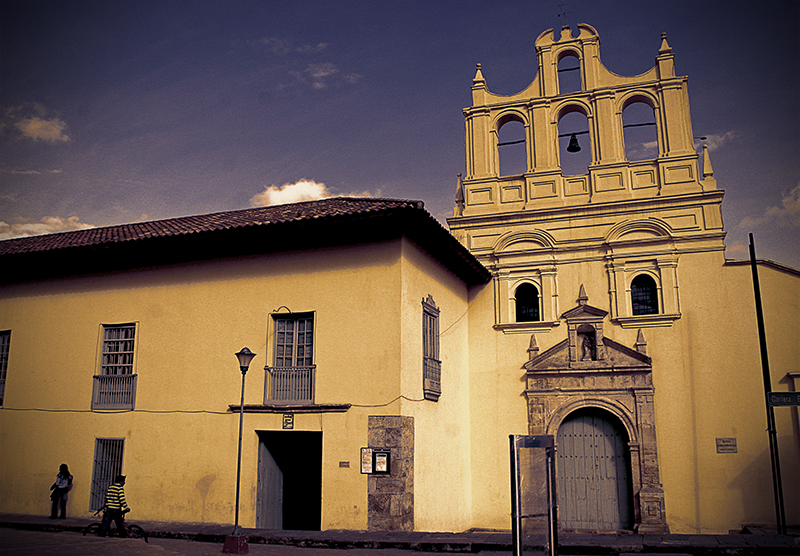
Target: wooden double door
593, 468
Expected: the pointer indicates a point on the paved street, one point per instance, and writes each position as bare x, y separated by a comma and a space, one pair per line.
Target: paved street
14, 542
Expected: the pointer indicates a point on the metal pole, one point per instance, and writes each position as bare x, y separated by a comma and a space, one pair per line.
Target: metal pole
777, 486
516, 520
239, 458
552, 501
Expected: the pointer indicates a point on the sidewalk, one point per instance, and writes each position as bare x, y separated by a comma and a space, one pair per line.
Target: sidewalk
757, 542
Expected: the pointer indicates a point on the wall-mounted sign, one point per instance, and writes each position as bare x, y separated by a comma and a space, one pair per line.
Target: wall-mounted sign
381, 462
776, 399
366, 461
376, 461
726, 446
288, 420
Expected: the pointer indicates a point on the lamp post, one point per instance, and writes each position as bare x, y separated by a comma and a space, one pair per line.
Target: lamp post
236, 543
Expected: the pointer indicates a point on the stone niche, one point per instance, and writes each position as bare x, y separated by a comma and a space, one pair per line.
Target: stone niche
391, 496
588, 369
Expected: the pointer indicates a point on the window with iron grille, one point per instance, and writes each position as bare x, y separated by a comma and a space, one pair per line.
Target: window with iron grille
108, 454
644, 295
291, 378
431, 365
5, 344
527, 303
115, 384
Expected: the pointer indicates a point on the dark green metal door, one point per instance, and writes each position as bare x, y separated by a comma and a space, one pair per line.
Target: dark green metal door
594, 488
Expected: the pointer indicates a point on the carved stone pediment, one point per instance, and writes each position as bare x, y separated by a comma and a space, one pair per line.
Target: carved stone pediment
617, 358
584, 312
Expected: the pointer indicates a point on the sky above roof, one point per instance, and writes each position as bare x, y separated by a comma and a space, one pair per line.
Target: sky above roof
118, 111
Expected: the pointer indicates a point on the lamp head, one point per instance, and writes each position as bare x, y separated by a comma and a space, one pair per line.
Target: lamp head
244, 357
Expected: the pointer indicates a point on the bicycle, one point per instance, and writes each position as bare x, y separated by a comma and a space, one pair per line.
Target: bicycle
133, 531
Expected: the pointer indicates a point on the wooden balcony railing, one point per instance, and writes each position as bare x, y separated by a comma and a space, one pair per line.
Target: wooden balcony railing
114, 392
432, 379
290, 385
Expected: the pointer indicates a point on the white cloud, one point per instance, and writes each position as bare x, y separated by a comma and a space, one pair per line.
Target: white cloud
36, 128
302, 190
276, 45
29, 172
737, 250
47, 225
32, 121
716, 141
320, 72
786, 216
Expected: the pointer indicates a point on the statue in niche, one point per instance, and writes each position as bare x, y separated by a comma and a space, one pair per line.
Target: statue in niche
588, 344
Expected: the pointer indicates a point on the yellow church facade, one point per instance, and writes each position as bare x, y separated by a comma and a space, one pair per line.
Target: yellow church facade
394, 357
613, 321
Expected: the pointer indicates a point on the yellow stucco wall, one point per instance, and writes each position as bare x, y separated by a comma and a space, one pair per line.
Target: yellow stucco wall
180, 442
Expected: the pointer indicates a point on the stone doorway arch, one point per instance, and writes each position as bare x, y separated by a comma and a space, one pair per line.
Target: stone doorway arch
589, 370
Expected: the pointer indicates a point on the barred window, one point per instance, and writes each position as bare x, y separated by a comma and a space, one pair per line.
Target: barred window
527, 302
5, 344
108, 454
431, 365
644, 295
118, 344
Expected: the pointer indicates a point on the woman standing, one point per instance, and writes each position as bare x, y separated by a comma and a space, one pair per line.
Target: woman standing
60, 489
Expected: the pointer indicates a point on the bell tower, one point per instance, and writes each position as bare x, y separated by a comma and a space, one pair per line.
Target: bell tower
602, 98
632, 216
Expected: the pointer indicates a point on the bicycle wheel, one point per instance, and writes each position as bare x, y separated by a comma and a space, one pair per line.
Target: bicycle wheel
137, 532
92, 529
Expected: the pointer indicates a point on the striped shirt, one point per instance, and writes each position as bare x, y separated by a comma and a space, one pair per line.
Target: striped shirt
115, 497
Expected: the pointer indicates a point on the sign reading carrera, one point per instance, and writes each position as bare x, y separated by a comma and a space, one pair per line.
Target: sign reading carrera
776, 399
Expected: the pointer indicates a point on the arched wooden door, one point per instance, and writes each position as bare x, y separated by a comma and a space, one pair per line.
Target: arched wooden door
594, 486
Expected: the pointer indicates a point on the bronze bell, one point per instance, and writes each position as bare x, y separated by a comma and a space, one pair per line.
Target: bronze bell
573, 146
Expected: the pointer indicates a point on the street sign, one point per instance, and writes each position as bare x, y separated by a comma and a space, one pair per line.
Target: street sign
775, 399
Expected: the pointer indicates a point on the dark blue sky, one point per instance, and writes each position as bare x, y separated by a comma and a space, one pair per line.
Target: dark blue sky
115, 111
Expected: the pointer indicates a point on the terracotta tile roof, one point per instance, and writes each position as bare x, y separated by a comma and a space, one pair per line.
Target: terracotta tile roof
326, 208
250, 232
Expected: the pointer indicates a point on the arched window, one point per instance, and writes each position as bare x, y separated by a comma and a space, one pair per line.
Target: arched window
644, 295
527, 297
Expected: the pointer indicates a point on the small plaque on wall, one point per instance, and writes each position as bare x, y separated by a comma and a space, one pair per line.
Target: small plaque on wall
726, 446
288, 420
366, 461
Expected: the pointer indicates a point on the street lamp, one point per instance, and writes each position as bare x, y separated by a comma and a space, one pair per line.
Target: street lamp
236, 543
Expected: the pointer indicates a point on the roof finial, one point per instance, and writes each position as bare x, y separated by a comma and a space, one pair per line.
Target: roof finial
708, 171
459, 208
665, 47
641, 344
478, 75
582, 297
533, 348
